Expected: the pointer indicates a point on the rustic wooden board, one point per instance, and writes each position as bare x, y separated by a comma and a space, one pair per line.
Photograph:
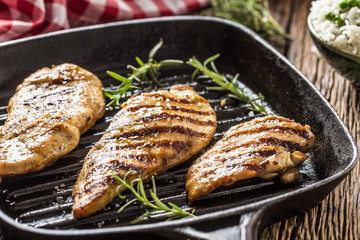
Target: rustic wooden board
337, 216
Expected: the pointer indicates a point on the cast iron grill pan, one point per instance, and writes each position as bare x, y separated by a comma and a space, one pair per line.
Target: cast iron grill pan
39, 204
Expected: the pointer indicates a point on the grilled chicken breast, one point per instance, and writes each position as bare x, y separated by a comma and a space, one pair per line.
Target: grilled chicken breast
263, 147
46, 116
152, 133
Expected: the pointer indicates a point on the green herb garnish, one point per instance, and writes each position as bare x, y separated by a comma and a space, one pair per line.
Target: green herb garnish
144, 72
123, 89
149, 71
225, 84
349, 3
158, 207
254, 14
345, 6
335, 18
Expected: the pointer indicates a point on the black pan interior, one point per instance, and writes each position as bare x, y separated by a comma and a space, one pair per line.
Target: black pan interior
43, 199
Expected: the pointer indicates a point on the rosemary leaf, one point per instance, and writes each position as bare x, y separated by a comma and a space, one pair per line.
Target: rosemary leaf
147, 213
126, 205
154, 50
139, 61
174, 206
170, 62
159, 203
225, 84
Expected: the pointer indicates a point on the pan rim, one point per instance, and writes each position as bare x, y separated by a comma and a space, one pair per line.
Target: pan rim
223, 213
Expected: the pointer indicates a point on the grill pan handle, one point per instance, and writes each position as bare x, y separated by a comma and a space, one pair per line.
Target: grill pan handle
247, 227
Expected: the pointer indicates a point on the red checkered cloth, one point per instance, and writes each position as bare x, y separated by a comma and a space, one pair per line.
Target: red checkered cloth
22, 18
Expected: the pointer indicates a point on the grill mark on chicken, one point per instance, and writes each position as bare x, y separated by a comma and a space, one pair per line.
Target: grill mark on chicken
176, 145
277, 129
126, 145
160, 129
270, 141
52, 104
236, 161
167, 107
261, 153
139, 157
277, 142
246, 155
270, 119
114, 164
66, 80
258, 148
38, 98
254, 168
161, 98
162, 116
34, 125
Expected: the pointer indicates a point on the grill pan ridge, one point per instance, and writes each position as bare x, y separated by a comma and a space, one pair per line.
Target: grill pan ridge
38, 205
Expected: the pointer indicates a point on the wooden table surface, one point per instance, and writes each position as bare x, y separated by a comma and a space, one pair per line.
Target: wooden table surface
337, 216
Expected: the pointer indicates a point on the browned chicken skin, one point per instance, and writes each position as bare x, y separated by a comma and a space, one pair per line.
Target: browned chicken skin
263, 147
46, 116
152, 133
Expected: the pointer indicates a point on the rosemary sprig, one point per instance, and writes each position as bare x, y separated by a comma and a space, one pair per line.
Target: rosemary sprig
225, 84
157, 207
144, 72
149, 71
254, 14
124, 88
